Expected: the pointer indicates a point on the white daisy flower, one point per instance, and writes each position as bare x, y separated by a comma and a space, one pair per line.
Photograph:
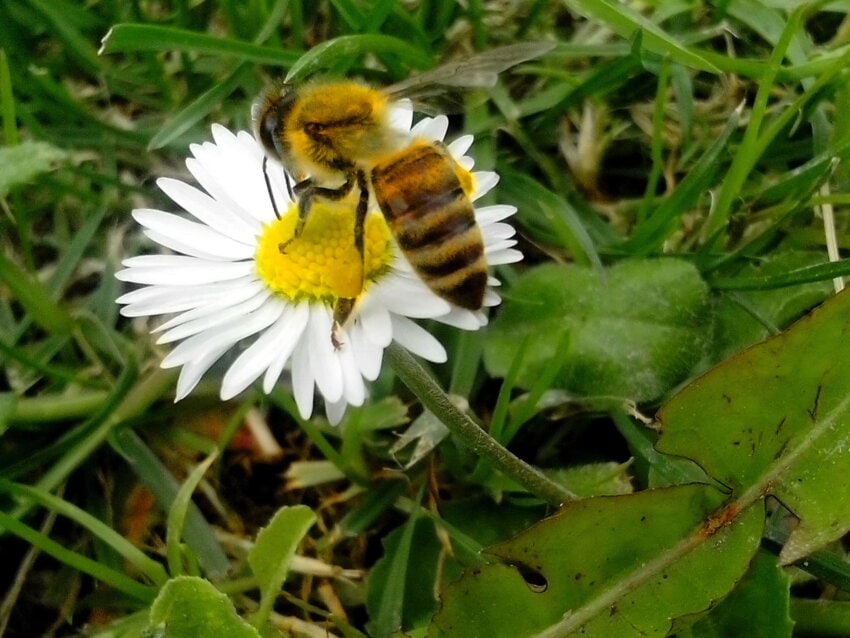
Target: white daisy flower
229, 286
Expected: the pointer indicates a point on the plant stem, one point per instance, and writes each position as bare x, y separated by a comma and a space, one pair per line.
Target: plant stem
437, 401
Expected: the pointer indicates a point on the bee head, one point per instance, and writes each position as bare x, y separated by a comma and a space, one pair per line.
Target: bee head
268, 114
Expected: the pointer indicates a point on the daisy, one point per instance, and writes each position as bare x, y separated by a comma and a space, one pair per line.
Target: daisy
229, 288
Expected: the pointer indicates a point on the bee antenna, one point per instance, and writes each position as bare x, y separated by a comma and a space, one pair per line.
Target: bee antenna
289, 186
269, 186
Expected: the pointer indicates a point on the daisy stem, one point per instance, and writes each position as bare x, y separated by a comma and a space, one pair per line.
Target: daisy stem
435, 399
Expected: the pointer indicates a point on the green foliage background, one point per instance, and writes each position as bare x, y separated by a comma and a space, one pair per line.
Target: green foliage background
679, 171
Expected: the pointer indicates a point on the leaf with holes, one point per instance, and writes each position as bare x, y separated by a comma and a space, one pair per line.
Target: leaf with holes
760, 600
607, 566
775, 419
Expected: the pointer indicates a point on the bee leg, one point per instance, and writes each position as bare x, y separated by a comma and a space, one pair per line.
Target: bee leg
360, 221
306, 190
344, 306
342, 311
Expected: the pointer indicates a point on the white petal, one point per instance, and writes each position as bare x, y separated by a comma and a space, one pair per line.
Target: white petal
431, 128
181, 270
227, 296
212, 184
222, 337
302, 380
504, 256
212, 319
495, 232
199, 238
176, 246
376, 322
367, 355
400, 116
491, 214
296, 320
205, 209
410, 298
484, 183
462, 318
238, 167
260, 355
354, 390
491, 298
192, 372
335, 411
460, 146
495, 247
324, 360
418, 340
158, 300
466, 163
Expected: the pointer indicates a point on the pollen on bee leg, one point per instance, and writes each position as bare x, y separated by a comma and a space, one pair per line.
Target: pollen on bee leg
342, 310
322, 263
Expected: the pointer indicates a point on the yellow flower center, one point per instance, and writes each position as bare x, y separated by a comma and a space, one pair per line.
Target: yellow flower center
322, 264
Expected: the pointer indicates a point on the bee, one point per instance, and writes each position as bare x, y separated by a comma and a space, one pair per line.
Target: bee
335, 136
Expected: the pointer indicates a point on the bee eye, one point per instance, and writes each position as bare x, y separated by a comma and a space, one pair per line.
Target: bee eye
267, 133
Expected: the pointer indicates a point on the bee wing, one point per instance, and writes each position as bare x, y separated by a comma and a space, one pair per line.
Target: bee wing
481, 70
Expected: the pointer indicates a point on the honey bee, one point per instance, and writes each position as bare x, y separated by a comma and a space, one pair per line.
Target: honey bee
333, 136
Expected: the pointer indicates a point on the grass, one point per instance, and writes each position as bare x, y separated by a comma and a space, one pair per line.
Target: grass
680, 177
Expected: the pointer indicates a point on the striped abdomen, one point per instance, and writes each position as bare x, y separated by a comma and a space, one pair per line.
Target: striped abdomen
432, 219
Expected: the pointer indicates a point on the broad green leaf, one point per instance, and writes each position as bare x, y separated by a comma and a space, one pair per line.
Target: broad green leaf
190, 607
774, 420
595, 479
760, 600
608, 566
634, 334
20, 164
273, 550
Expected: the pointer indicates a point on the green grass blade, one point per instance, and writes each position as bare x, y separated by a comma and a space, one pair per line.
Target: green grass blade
132, 554
198, 534
7, 103
199, 108
82, 441
746, 155
347, 47
177, 515
35, 297
79, 562
625, 22
389, 616
129, 38
818, 272
650, 234
75, 42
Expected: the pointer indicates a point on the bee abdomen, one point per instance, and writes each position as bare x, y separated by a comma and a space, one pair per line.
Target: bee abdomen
433, 221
